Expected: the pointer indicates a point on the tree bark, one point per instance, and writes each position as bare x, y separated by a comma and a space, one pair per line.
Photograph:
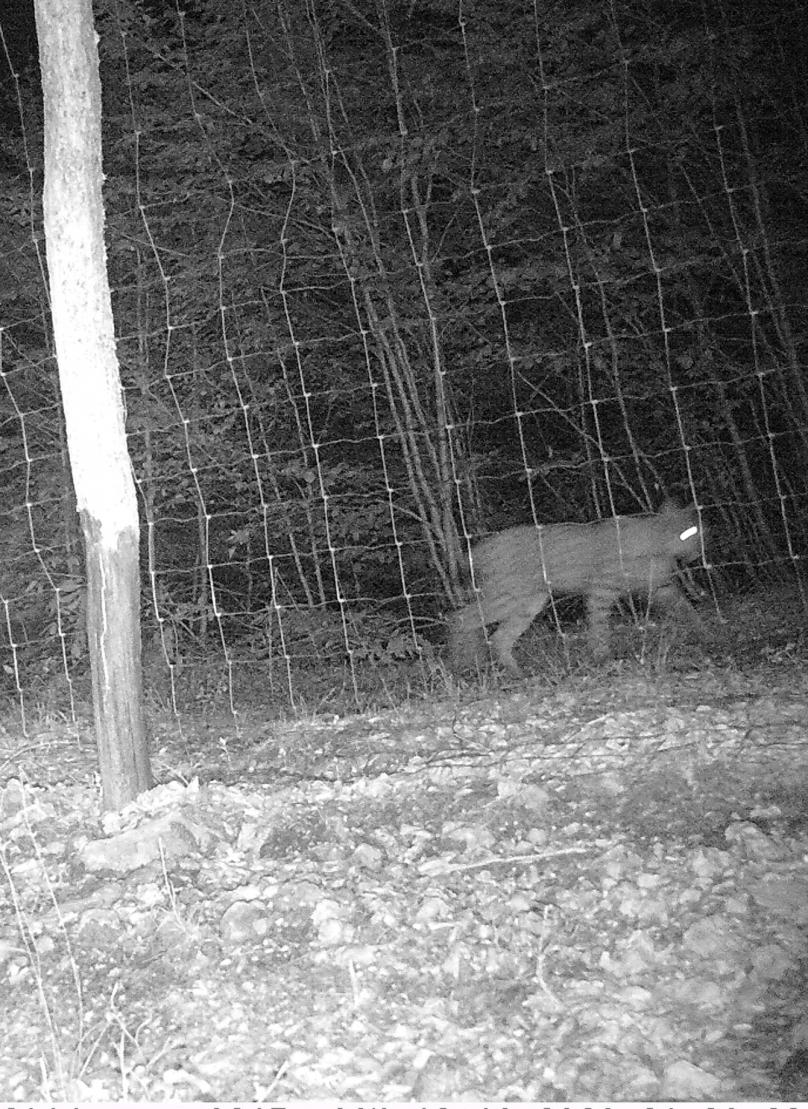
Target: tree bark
91, 388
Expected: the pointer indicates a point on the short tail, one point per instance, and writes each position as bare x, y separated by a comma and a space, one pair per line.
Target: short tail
466, 637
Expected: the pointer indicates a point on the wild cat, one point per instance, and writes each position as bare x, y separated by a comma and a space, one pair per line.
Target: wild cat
517, 571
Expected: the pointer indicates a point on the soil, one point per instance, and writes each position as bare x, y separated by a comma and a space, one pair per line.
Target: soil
594, 892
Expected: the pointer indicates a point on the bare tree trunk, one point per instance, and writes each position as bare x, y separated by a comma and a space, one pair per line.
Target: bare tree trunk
91, 388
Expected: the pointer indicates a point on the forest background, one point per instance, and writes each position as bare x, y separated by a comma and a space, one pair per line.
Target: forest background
391, 276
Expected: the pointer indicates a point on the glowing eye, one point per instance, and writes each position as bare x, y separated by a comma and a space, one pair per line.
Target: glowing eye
688, 533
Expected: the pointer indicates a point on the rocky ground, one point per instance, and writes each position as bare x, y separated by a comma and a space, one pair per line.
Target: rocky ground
598, 891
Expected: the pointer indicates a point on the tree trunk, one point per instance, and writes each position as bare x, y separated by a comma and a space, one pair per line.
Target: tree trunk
91, 388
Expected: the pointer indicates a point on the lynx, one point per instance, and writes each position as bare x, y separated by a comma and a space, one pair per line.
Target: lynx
517, 571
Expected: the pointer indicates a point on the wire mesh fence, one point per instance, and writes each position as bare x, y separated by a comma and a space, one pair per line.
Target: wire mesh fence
391, 277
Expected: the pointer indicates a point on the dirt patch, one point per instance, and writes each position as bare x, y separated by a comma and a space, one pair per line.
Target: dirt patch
598, 894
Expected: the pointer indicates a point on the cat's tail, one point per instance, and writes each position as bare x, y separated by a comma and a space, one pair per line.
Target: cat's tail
466, 639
